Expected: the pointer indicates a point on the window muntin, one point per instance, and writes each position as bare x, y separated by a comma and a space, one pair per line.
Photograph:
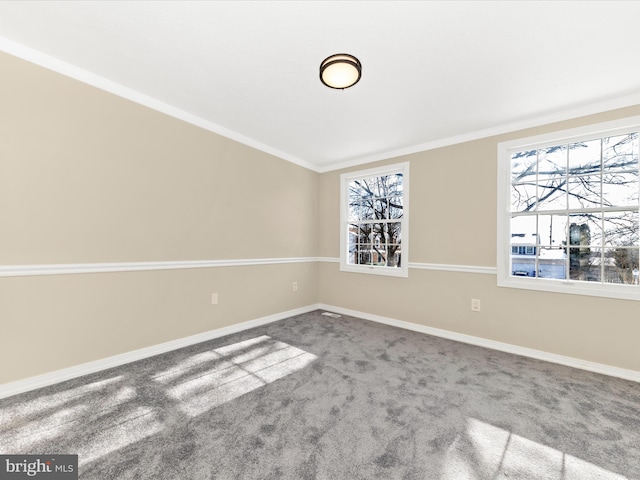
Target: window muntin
575, 201
374, 220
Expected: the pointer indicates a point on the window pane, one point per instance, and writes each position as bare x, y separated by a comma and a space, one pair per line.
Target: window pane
552, 162
621, 152
357, 211
382, 186
522, 265
354, 192
394, 255
621, 229
363, 254
584, 157
359, 189
361, 232
552, 230
353, 247
523, 230
374, 186
552, 263
523, 166
394, 185
379, 236
584, 264
585, 229
366, 210
379, 255
523, 246
368, 188
620, 189
621, 266
395, 207
523, 197
523, 256
394, 232
381, 208
552, 193
354, 211
361, 210
585, 191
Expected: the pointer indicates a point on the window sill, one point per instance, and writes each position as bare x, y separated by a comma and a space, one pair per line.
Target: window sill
386, 271
623, 292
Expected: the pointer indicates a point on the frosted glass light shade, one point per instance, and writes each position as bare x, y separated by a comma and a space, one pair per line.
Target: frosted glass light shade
340, 71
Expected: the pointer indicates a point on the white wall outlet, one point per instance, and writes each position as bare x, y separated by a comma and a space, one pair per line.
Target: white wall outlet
214, 299
475, 305
295, 286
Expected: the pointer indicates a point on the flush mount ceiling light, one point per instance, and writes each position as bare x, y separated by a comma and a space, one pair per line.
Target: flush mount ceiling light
340, 71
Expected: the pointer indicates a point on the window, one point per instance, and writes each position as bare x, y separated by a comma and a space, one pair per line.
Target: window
373, 220
568, 211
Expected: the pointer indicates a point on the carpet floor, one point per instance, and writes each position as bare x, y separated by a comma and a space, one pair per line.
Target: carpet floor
314, 397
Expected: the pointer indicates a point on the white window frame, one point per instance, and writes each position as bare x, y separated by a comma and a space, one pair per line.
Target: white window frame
345, 179
505, 149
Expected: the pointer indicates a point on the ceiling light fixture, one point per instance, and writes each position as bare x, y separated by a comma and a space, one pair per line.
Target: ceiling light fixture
340, 71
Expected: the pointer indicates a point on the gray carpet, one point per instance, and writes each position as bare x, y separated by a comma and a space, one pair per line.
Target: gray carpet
312, 397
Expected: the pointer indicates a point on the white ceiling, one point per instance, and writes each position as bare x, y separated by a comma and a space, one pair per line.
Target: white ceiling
434, 73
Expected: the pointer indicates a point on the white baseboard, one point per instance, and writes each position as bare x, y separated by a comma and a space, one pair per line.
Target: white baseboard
32, 383
632, 375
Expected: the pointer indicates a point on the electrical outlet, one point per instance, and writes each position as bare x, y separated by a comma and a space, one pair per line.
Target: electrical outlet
475, 305
295, 286
214, 299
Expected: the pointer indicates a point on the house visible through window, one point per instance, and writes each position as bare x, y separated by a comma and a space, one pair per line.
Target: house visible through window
569, 210
374, 220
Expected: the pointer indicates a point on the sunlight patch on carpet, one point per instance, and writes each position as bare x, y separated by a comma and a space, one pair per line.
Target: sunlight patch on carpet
235, 370
43, 427
49, 402
42, 430
216, 356
485, 449
138, 424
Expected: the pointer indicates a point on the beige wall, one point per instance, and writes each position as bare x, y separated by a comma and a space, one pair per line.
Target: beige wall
88, 177
453, 222
57, 321
91, 177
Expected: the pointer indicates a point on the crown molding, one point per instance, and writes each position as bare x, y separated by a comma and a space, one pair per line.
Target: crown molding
84, 76
559, 116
